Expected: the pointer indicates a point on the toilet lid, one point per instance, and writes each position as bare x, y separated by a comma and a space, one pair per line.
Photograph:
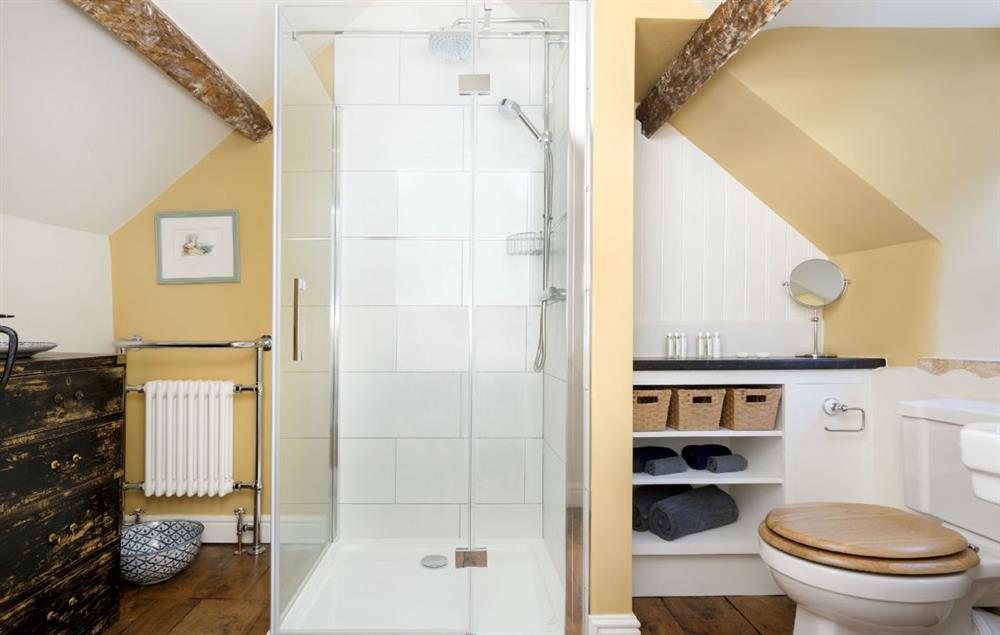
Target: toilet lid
870, 531
955, 563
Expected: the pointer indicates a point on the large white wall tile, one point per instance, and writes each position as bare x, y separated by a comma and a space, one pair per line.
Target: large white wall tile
368, 272
506, 521
503, 143
366, 469
555, 414
308, 138
508, 63
400, 405
368, 203
499, 338
533, 474
367, 338
507, 405
501, 204
433, 339
306, 475
435, 204
498, 471
402, 138
432, 471
400, 521
428, 272
426, 79
306, 204
366, 70
500, 279
309, 260
306, 405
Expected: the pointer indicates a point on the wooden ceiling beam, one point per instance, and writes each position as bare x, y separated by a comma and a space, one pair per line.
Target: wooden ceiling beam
722, 35
147, 29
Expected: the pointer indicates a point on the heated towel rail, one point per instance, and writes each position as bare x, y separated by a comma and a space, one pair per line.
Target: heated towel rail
260, 346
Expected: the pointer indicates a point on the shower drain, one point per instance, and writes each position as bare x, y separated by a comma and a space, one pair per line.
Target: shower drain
435, 561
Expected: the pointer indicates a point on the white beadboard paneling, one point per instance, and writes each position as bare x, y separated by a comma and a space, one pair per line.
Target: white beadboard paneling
706, 249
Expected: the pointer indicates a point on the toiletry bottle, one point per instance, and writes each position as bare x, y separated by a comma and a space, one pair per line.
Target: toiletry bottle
684, 346
716, 345
670, 345
702, 345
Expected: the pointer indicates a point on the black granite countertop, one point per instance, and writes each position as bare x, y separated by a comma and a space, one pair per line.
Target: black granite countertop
759, 363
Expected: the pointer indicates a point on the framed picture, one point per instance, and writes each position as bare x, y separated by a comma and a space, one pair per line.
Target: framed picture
197, 247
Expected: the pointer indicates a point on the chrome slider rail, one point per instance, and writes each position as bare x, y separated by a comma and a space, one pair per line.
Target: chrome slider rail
259, 346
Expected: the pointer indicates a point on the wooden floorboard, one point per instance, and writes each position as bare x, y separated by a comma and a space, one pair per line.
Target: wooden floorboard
225, 594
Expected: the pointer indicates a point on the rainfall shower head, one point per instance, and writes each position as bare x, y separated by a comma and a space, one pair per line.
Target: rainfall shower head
451, 45
512, 109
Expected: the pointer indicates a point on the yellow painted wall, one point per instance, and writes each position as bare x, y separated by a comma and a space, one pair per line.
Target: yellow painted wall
889, 306
611, 297
234, 175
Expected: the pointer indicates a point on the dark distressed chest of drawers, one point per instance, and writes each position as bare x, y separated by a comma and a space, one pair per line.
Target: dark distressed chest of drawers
61, 466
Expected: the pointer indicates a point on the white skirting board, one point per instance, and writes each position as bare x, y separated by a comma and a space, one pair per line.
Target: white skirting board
674, 576
622, 624
222, 529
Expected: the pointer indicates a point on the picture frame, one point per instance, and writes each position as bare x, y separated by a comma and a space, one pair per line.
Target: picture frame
197, 247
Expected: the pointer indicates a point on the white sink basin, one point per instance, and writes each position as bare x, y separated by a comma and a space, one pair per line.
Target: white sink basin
981, 454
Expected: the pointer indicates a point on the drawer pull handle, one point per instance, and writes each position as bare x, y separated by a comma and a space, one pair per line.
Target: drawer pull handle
72, 601
76, 458
78, 395
58, 398
74, 461
56, 465
51, 616
55, 539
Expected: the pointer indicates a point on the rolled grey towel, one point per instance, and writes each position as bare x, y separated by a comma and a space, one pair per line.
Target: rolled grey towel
648, 453
669, 465
688, 513
730, 463
643, 498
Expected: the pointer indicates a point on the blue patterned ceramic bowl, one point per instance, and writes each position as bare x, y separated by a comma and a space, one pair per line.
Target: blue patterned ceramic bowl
158, 550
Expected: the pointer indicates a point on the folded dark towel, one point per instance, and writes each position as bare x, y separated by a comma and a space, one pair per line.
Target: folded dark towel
697, 455
648, 453
669, 465
643, 498
688, 513
730, 463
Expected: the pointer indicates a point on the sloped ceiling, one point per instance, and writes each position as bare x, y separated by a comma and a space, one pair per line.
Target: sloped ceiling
89, 131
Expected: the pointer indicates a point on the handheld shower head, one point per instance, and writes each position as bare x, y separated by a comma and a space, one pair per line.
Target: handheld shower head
512, 109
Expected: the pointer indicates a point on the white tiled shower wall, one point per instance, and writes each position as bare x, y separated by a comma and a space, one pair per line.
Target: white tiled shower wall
423, 227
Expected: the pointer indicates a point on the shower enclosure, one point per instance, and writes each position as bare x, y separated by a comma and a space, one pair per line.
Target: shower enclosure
429, 426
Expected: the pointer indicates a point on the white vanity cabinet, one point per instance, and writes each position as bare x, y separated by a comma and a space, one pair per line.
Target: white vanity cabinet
800, 460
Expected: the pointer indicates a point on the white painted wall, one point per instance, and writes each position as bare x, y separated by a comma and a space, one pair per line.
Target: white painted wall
709, 255
57, 282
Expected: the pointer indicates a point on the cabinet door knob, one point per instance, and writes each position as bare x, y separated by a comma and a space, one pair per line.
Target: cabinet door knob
76, 458
73, 527
72, 601
55, 465
54, 539
58, 398
51, 616
78, 395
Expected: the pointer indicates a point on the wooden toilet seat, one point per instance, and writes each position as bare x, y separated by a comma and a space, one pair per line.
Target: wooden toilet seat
867, 538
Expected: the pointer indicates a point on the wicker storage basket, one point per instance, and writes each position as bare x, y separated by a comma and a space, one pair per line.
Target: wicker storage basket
696, 408
650, 407
751, 408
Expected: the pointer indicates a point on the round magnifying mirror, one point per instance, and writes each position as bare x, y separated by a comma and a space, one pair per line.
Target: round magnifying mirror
816, 283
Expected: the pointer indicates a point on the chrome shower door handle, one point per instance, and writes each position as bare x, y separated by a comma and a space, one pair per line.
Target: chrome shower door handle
833, 406
298, 287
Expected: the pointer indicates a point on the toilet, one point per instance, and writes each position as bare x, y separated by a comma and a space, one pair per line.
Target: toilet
859, 569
